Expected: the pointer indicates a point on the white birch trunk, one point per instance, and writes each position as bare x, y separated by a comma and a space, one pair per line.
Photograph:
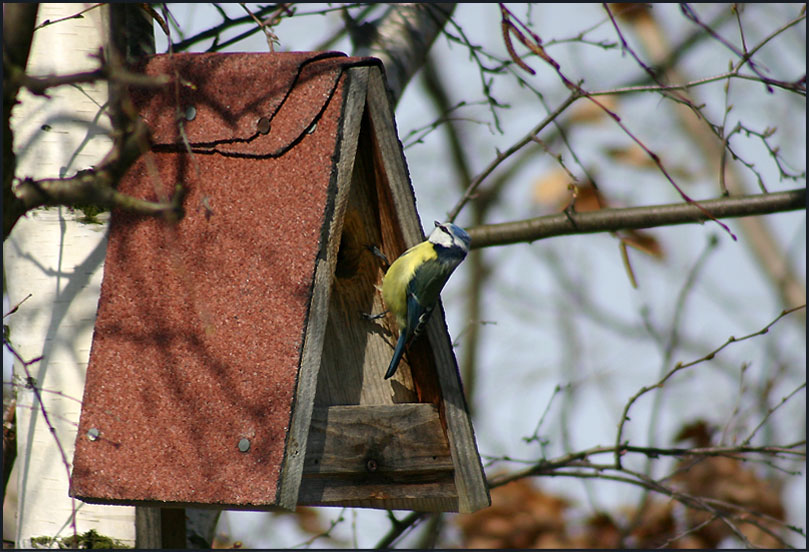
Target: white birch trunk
59, 261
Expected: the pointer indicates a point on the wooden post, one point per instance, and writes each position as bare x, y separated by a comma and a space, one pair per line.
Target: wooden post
159, 528
148, 528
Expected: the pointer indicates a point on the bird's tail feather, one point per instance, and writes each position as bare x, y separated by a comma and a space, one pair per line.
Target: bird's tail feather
397, 355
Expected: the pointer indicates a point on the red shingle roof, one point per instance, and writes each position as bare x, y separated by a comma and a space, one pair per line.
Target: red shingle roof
200, 324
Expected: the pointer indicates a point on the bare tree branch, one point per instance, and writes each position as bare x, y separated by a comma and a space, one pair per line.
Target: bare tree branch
578, 465
40, 85
399, 527
712, 141
274, 10
575, 459
613, 220
402, 39
77, 15
96, 186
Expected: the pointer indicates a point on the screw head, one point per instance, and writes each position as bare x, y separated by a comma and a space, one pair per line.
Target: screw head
263, 125
93, 433
190, 113
244, 445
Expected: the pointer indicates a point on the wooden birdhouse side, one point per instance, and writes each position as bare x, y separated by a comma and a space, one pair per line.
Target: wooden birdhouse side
231, 365
404, 443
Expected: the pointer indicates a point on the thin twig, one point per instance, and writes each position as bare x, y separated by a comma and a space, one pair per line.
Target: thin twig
690, 14
32, 384
682, 366
323, 534
215, 31
771, 411
39, 85
399, 527
13, 309
272, 38
722, 509
527, 139
77, 15
798, 86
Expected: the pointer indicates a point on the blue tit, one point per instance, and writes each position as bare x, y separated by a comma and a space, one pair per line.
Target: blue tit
413, 282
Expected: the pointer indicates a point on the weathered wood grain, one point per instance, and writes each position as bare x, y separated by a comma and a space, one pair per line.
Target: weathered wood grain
397, 442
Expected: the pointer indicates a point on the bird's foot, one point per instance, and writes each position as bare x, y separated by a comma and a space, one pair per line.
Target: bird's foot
378, 253
370, 316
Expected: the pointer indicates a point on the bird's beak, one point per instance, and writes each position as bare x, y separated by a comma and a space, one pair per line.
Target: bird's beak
437, 224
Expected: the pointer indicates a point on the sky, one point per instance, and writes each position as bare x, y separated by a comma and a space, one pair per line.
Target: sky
527, 340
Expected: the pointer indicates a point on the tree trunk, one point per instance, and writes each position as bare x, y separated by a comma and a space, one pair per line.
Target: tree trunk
57, 257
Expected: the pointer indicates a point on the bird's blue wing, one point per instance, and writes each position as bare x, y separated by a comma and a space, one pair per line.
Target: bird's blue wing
417, 316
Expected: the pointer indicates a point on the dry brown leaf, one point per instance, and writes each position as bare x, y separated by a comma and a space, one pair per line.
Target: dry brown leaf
589, 112
632, 155
699, 432
631, 12
656, 525
551, 190
645, 242
600, 532
556, 191
309, 521
728, 480
589, 198
635, 156
520, 516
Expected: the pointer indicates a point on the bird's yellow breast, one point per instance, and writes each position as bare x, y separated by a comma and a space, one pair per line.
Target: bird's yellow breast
394, 285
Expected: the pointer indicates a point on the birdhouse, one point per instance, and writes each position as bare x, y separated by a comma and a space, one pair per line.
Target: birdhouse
231, 363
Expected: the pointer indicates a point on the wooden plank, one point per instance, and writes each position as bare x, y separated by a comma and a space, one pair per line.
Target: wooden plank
394, 167
469, 478
391, 190
357, 351
413, 469
172, 528
437, 496
292, 469
148, 528
403, 442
